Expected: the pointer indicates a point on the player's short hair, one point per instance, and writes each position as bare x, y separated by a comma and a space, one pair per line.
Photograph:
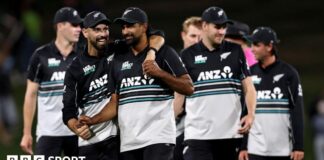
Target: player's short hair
195, 21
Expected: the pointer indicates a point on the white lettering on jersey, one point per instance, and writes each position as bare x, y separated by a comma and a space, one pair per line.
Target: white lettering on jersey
215, 74
136, 81
88, 69
256, 79
300, 90
265, 94
268, 94
126, 65
52, 62
97, 83
58, 76
200, 59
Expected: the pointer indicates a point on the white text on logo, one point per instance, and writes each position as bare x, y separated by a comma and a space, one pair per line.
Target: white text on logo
215, 74
136, 81
58, 76
52, 62
268, 94
97, 83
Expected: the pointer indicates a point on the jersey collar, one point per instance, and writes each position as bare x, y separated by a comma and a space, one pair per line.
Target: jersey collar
56, 51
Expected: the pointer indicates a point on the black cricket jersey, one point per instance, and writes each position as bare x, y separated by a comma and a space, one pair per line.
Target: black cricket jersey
213, 111
47, 67
145, 112
278, 124
87, 90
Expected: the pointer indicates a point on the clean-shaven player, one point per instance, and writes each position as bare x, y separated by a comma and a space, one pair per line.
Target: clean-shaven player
45, 83
213, 128
277, 132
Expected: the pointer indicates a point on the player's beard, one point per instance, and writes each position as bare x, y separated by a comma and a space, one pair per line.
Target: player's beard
216, 40
99, 44
131, 39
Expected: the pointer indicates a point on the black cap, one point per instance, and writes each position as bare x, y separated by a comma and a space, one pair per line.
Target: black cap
237, 30
94, 18
67, 14
132, 15
265, 35
215, 15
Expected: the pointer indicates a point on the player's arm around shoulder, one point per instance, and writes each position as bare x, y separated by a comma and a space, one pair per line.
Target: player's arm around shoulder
155, 44
179, 80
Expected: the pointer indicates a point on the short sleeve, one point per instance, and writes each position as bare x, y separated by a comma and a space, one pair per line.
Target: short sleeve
245, 69
34, 66
174, 62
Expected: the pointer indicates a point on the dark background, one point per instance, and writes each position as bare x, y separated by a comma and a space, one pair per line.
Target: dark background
298, 23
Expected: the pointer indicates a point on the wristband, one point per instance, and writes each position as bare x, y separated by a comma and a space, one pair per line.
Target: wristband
155, 50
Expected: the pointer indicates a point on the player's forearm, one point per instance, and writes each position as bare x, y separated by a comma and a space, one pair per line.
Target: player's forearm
182, 84
72, 124
250, 98
156, 41
178, 103
70, 109
29, 112
250, 95
107, 113
69, 112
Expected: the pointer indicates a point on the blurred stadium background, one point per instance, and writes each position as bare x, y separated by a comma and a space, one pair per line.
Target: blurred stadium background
299, 25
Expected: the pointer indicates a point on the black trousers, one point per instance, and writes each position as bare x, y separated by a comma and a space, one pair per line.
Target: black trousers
159, 151
178, 149
104, 150
258, 157
224, 149
55, 146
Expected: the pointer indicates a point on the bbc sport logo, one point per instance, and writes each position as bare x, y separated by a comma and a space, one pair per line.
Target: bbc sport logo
42, 157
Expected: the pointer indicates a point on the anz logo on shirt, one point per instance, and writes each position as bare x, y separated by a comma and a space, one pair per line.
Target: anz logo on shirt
215, 74
136, 81
268, 94
58, 76
99, 82
52, 62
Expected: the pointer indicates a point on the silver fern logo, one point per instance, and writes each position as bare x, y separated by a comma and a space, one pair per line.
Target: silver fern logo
224, 55
277, 77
